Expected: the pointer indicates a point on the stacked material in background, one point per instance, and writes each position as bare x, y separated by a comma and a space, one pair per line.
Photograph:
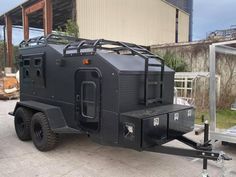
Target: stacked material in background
9, 87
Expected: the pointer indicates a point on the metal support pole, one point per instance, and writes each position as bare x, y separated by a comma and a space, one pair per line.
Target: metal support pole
212, 94
25, 24
48, 17
5, 47
8, 23
206, 138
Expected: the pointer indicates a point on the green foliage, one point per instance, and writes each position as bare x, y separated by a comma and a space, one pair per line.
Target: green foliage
225, 118
2, 57
174, 62
69, 29
16, 54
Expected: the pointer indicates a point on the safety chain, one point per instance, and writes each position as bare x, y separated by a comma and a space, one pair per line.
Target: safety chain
221, 164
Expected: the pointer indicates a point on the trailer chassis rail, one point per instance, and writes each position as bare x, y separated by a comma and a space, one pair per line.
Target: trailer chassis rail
202, 154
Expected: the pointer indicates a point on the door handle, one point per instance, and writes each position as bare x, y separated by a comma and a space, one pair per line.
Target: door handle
77, 97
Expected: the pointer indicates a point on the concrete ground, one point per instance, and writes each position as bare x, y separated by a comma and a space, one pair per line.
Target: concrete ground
77, 156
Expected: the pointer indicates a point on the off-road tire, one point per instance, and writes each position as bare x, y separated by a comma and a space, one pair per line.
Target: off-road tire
22, 123
43, 137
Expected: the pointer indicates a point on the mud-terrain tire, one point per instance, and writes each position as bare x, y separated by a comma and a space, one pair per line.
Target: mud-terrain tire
22, 123
43, 137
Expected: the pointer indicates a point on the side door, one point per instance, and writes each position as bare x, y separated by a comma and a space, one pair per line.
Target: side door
88, 98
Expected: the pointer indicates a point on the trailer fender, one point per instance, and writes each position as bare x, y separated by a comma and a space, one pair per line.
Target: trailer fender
54, 114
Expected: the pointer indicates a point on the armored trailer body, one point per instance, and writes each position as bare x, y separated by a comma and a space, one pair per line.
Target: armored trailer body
102, 92
118, 93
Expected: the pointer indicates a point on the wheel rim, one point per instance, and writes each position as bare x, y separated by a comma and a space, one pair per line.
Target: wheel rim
20, 125
38, 131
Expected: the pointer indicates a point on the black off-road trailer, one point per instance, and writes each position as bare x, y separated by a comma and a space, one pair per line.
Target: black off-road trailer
118, 93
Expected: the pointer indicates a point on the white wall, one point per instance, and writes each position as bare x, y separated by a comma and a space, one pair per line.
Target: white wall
144, 22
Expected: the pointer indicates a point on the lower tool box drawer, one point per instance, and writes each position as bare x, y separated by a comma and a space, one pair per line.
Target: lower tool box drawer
154, 130
181, 122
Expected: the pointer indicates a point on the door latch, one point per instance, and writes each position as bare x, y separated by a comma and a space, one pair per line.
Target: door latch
77, 97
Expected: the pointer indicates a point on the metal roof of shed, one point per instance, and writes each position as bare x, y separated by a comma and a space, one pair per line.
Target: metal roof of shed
62, 11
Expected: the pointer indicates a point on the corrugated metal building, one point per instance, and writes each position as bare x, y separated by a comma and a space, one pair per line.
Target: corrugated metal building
144, 22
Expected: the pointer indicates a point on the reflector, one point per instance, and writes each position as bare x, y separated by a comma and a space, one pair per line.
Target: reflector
86, 61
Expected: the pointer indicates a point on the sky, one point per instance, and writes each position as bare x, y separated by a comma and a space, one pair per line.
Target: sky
211, 15
208, 16
7, 5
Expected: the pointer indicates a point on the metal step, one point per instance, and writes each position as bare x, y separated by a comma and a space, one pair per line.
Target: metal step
138, 49
150, 56
153, 83
157, 65
155, 100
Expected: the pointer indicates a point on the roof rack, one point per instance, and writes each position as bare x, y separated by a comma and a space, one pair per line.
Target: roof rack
51, 38
91, 46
